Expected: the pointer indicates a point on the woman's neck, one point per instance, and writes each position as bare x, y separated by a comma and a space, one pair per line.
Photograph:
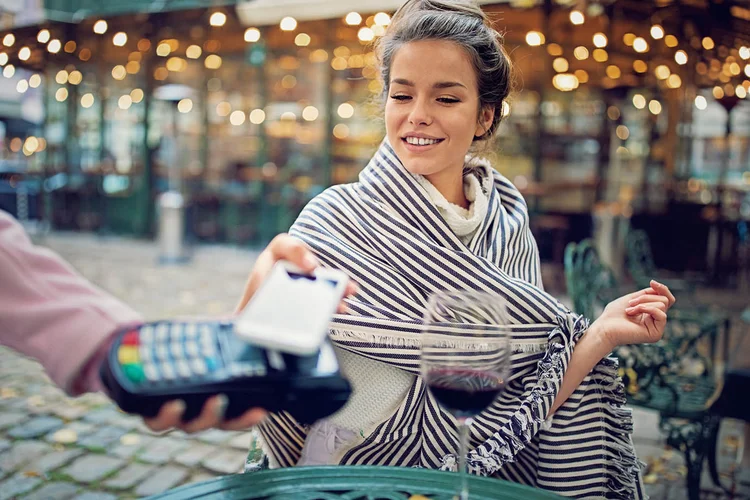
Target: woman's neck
450, 183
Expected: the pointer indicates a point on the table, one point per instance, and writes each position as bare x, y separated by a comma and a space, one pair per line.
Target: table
351, 483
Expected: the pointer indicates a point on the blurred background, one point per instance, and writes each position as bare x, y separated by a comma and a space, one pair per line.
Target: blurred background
143, 131
629, 113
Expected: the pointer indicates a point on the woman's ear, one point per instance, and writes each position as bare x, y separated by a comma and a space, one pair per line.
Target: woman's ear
486, 117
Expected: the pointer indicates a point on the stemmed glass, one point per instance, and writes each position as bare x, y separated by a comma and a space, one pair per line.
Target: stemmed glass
465, 359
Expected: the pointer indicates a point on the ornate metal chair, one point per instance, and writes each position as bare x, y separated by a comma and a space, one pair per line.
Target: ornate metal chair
654, 374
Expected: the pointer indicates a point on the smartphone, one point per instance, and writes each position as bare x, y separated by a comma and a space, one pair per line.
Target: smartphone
291, 310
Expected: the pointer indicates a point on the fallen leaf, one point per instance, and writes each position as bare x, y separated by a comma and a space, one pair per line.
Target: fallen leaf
65, 436
651, 478
130, 439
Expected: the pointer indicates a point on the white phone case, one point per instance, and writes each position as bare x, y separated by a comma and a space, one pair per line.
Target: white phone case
291, 311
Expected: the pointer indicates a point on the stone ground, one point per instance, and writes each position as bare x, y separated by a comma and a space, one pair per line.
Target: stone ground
55, 447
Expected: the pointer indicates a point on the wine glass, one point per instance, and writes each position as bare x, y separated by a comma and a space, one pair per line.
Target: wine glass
465, 359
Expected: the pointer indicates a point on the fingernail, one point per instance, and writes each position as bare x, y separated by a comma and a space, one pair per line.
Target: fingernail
629, 309
631, 302
221, 405
311, 261
179, 406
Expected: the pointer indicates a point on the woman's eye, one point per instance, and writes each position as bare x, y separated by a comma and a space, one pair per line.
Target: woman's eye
448, 100
400, 97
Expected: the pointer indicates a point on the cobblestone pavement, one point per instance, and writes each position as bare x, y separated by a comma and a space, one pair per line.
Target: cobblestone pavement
54, 447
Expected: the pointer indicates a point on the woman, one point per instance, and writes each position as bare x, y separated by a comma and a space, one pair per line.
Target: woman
426, 216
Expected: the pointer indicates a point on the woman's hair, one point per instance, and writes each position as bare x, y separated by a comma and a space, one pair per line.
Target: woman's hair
461, 22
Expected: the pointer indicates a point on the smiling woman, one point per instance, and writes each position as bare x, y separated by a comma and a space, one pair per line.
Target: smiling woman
428, 216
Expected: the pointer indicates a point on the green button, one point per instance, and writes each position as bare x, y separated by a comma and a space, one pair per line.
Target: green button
134, 372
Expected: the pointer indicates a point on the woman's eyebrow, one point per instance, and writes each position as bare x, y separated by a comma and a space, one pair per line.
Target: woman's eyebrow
438, 85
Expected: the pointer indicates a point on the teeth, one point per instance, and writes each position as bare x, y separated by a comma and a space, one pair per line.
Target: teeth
421, 141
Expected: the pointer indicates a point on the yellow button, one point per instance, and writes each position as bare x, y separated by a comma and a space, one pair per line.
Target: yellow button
127, 354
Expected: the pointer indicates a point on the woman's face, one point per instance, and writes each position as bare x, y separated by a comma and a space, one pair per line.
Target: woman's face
432, 110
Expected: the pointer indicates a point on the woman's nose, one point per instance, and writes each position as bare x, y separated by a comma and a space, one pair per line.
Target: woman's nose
420, 113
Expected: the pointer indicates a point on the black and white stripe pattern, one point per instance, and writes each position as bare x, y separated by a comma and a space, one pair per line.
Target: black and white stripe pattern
388, 236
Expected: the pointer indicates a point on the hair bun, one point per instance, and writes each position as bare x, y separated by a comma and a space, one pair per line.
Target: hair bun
462, 7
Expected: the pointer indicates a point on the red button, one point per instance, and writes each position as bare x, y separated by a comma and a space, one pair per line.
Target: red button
130, 338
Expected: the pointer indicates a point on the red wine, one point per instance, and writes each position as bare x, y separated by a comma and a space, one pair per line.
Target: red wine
464, 393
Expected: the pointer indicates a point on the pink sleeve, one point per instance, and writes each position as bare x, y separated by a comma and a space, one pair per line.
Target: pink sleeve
50, 312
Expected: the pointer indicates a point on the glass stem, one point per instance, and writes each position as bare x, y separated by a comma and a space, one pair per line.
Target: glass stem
464, 424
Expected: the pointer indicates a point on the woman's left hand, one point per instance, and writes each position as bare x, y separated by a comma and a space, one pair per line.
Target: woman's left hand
636, 318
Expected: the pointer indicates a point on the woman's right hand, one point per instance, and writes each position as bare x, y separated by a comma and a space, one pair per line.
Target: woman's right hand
283, 247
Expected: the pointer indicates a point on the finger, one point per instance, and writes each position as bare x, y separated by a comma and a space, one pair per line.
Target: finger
645, 291
211, 415
248, 419
646, 298
351, 289
645, 308
285, 247
262, 267
658, 314
664, 290
168, 416
342, 308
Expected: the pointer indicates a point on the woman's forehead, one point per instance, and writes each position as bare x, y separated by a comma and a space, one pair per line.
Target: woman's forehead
428, 62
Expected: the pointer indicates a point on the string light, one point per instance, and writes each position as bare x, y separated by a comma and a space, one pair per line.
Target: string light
100, 27
701, 103
745, 52
9, 71
310, 113
252, 35
302, 40
237, 117
640, 45
353, 19
365, 34
87, 100
655, 107
185, 106
193, 52
24, 53
577, 17
9, 40
534, 38
54, 46
657, 32
565, 82
382, 19
560, 65
218, 19
3, 58
671, 41
124, 102
35, 80
681, 57
43, 36
22, 86
639, 101
581, 53
288, 24
600, 40
345, 110
120, 39
707, 43
257, 116
674, 81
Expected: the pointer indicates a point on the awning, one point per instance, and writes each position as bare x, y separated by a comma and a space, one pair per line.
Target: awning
77, 10
265, 12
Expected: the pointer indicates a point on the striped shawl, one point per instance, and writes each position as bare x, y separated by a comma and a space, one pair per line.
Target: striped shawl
388, 236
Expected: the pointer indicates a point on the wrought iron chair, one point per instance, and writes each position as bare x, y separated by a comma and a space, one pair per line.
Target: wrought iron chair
641, 266
653, 374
